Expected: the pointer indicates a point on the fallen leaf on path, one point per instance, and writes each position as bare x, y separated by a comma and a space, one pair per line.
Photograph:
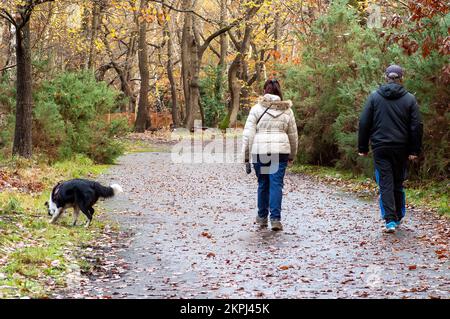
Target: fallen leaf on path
207, 235
285, 267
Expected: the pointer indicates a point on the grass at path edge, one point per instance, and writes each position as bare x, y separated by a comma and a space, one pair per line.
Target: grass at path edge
34, 255
427, 194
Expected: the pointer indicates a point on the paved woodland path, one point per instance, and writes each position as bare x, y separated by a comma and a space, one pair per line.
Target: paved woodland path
193, 237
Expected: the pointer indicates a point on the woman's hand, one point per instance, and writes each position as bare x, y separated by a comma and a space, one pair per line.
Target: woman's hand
248, 167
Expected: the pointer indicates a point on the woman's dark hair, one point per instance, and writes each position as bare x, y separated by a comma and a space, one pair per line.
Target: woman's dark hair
273, 87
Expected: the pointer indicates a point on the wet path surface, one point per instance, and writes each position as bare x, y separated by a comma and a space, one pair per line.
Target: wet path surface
194, 237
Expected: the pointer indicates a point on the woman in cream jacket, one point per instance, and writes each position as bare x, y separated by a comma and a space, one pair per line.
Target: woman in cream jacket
270, 142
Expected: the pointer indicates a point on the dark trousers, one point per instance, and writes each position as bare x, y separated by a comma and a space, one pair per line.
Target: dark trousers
390, 172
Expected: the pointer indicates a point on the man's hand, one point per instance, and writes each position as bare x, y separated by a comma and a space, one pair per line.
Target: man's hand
290, 163
413, 157
363, 154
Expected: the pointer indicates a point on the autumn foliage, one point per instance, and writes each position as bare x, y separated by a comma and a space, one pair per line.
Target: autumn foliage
343, 62
207, 60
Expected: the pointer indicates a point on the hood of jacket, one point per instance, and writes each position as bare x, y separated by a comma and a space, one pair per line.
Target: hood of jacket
392, 91
274, 102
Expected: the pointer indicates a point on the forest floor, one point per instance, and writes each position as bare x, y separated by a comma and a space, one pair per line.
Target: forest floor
188, 232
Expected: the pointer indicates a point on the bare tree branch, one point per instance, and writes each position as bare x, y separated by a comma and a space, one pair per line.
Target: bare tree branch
211, 47
215, 35
6, 15
247, 17
184, 11
234, 40
8, 67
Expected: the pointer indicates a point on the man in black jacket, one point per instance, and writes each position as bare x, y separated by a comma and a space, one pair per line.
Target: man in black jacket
391, 121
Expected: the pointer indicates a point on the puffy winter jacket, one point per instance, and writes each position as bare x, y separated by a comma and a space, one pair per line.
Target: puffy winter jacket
276, 132
391, 118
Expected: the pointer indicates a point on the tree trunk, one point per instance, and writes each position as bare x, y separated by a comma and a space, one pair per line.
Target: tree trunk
185, 58
127, 85
190, 67
170, 75
7, 48
223, 49
143, 121
24, 104
235, 75
235, 92
96, 21
182, 106
277, 33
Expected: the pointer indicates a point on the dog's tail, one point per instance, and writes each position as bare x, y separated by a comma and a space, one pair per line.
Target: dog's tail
107, 192
117, 189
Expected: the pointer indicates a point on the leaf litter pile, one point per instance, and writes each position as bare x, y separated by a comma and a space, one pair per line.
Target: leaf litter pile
19, 181
100, 265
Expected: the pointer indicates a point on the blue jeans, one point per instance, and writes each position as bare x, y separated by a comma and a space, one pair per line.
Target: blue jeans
270, 188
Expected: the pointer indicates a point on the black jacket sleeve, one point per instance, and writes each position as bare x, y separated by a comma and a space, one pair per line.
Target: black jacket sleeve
415, 130
365, 127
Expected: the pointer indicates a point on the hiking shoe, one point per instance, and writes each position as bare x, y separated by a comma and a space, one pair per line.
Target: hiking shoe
262, 222
276, 225
390, 227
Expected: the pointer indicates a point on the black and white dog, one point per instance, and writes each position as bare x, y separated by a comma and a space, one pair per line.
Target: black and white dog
79, 194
